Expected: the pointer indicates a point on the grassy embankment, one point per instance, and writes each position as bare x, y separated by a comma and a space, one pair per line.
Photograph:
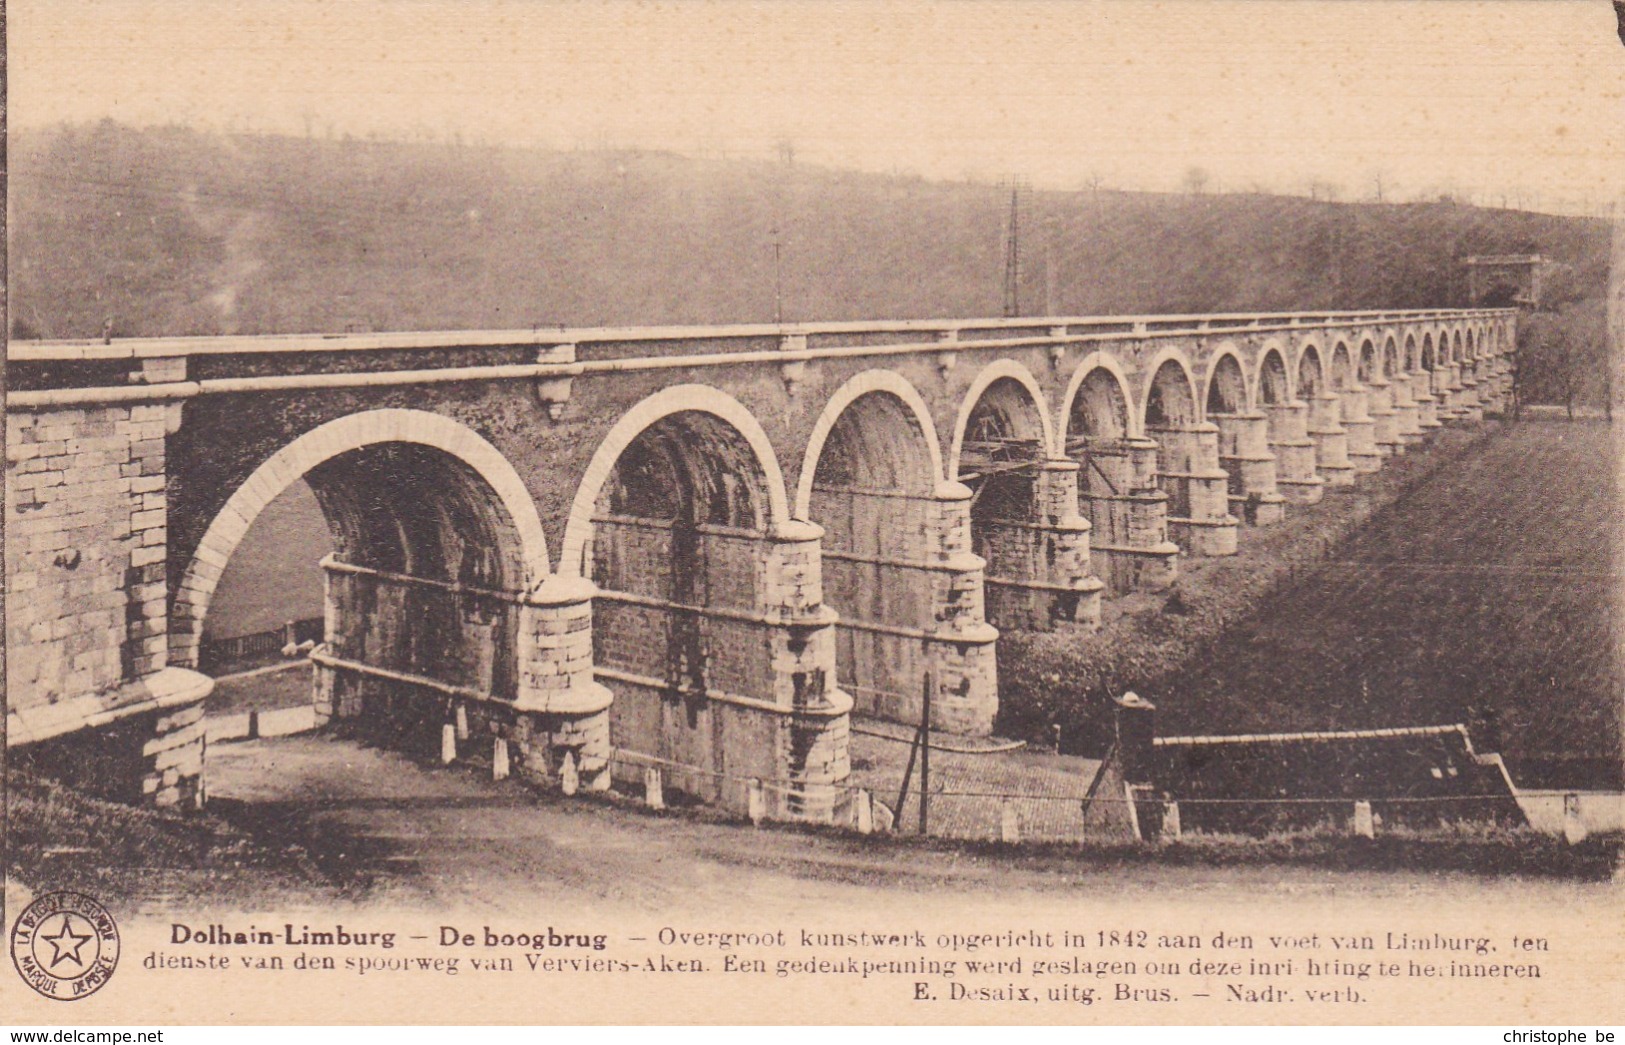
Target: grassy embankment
1477, 574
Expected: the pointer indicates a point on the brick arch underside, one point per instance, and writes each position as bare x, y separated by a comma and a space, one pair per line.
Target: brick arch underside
1002, 441
1311, 376
403, 492
684, 511
1274, 384
1170, 411
1099, 429
873, 489
1226, 387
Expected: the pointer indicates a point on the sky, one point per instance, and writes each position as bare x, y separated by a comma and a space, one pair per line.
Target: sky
1500, 100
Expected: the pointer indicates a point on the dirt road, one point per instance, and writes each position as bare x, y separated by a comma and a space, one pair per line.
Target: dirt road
391, 832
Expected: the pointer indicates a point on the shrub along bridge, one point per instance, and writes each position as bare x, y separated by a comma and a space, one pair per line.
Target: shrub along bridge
703, 547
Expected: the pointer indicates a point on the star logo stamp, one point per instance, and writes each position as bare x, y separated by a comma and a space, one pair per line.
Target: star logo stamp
65, 945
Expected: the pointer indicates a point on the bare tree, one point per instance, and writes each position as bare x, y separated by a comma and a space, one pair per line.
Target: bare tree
1196, 180
1324, 190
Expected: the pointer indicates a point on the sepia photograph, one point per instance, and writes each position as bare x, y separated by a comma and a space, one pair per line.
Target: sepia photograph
884, 512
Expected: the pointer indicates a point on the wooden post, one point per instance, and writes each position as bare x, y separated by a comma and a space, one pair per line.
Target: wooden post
925, 758
756, 801
1574, 825
908, 772
448, 744
462, 721
499, 760
1364, 824
253, 725
654, 795
863, 811
569, 777
1009, 822
1171, 829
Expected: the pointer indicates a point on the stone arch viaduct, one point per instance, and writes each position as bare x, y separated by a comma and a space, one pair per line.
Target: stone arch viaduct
705, 547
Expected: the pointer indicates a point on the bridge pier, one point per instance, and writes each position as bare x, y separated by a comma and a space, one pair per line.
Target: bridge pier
1040, 576
961, 654
1407, 414
1449, 393
1244, 453
366, 669
1129, 516
1362, 429
1384, 418
1492, 390
1331, 440
740, 686
1294, 452
1472, 409
911, 598
812, 738
145, 743
1199, 519
1507, 381
1428, 417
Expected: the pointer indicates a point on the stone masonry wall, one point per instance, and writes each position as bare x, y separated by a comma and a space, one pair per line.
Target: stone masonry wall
85, 559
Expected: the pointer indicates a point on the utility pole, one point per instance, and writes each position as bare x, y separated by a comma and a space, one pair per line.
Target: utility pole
1012, 253
925, 759
778, 279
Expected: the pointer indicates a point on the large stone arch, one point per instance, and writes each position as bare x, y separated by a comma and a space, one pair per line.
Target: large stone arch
1219, 381
1000, 370
1108, 363
1099, 431
892, 532
1309, 354
1023, 513
1340, 373
869, 382
1187, 454
664, 403
353, 432
1169, 354
707, 618
1367, 364
1272, 378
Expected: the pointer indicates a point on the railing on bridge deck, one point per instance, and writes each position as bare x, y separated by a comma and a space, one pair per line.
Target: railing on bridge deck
562, 353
